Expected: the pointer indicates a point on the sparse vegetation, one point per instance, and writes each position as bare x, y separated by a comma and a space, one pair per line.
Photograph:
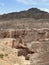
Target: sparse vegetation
1, 56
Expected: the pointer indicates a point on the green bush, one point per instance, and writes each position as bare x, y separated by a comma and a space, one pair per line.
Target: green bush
1, 55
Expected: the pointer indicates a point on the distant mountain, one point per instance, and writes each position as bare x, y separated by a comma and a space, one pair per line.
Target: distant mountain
30, 13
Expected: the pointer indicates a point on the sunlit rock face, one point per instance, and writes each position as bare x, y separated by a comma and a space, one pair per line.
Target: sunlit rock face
8, 41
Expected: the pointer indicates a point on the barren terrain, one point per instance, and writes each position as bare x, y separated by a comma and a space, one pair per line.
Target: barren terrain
24, 40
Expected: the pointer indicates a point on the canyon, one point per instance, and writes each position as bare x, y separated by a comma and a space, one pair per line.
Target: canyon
24, 40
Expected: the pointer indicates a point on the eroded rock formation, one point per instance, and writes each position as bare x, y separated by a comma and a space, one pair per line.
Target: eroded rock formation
39, 42
35, 34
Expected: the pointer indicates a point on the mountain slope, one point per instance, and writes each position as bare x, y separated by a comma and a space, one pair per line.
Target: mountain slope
30, 13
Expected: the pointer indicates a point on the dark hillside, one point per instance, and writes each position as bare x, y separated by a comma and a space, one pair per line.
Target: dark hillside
30, 13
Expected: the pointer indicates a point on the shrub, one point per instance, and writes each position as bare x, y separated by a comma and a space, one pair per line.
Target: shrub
1, 55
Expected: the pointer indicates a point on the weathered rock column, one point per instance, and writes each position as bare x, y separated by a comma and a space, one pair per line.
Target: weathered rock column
13, 41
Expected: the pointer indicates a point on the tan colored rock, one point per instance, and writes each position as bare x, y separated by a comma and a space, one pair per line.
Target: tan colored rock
8, 41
